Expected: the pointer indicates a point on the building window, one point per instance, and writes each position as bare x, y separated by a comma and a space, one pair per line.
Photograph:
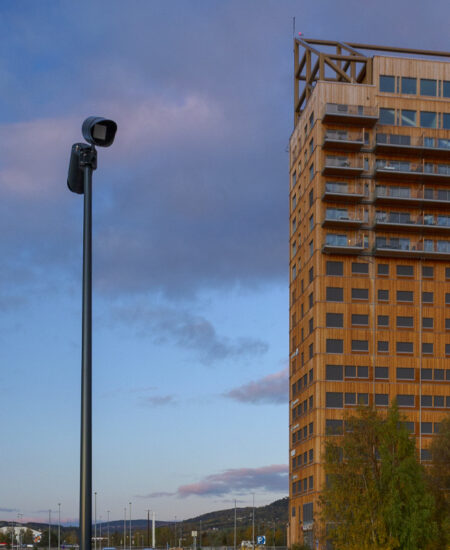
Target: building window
334, 400
425, 454
426, 427
428, 87
350, 371
334, 320
334, 345
427, 348
446, 88
311, 300
381, 399
311, 351
350, 398
383, 295
383, 346
427, 272
360, 293
333, 427
426, 374
363, 398
409, 85
427, 297
381, 373
311, 171
405, 400
405, 271
447, 349
311, 274
334, 294
405, 373
404, 347
387, 83
408, 118
447, 298
311, 325
363, 372
383, 320
428, 119
427, 322
360, 320
405, 296
383, 269
360, 345
360, 268
438, 401
311, 222
334, 372
447, 324
446, 121
426, 400
387, 116
335, 268
405, 322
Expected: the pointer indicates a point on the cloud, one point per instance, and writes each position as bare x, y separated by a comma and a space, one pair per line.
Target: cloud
273, 389
8, 510
158, 400
188, 331
160, 494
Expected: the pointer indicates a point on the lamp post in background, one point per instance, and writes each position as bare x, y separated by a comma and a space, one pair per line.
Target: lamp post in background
49, 528
59, 526
107, 511
83, 161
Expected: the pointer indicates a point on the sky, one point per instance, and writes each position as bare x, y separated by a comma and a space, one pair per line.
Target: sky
190, 244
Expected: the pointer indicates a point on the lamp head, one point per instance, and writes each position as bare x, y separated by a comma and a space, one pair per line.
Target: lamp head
99, 131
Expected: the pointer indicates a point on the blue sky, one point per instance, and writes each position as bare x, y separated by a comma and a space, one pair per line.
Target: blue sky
190, 326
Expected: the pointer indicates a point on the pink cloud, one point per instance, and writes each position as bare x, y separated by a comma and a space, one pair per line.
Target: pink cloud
272, 388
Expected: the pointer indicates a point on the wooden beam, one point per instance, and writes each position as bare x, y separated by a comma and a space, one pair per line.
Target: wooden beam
321, 67
398, 50
337, 69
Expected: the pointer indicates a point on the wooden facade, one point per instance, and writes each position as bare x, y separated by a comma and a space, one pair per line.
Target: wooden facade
369, 250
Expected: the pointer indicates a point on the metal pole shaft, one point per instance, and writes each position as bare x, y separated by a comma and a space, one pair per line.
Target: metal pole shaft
148, 527
95, 520
86, 372
59, 526
234, 524
49, 528
153, 531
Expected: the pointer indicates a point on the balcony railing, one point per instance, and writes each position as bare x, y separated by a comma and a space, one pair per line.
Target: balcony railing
344, 217
351, 114
431, 223
345, 244
428, 196
345, 166
337, 191
424, 248
402, 169
344, 140
428, 146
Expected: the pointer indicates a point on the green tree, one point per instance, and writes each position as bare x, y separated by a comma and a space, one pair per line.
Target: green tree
438, 474
376, 497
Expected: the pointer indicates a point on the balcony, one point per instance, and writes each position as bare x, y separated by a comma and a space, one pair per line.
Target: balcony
336, 191
345, 244
405, 247
409, 145
342, 166
410, 171
355, 115
405, 221
345, 218
427, 197
343, 140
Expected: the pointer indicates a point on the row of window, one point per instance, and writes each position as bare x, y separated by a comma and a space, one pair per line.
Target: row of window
336, 294
336, 320
303, 433
303, 382
303, 459
428, 87
336, 427
303, 485
336, 345
308, 513
336, 269
408, 117
337, 400
303, 408
337, 373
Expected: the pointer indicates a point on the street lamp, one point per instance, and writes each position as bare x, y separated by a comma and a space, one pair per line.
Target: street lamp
83, 161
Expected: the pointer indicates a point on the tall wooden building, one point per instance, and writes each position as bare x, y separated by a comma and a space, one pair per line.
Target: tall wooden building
369, 249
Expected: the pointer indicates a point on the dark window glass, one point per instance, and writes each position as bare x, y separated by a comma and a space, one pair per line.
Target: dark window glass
334, 372
426, 427
405, 296
335, 346
311, 300
404, 347
426, 400
427, 348
447, 374
381, 373
360, 293
383, 320
405, 322
447, 272
360, 345
363, 372
311, 350
382, 346
311, 455
333, 427
409, 85
428, 119
360, 320
447, 349
311, 171
350, 371
405, 373
334, 400
335, 320
335, 294
360, 268
387, 83
409, 426
446, 121
311, 274
438, 400
427, 297
405, 271
426, 374
350, 398
425, 454
363, 398
405, 400
408, 118
383, 295
439, 374
427, 87
447, 298
447, 324
446, 88
311, 325
427, 322
383, 269
387, 116
381, 399
311, 376
427, 272
335, 268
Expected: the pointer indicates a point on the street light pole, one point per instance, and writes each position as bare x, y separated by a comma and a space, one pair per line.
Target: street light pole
95, 520
59, 526
234, 524
253, 523
108, 527
130, 524
49, 528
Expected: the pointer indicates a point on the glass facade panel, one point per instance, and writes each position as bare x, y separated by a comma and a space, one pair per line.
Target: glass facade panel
428, 87
387, 116
428, 119
387, 83
409, 85
408, 118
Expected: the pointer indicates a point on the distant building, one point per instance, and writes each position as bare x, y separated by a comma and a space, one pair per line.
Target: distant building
369, 249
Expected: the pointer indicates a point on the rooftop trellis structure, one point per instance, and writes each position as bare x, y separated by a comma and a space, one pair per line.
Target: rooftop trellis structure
342, 62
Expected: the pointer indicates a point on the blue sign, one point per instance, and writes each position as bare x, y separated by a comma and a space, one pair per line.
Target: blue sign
261, 540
